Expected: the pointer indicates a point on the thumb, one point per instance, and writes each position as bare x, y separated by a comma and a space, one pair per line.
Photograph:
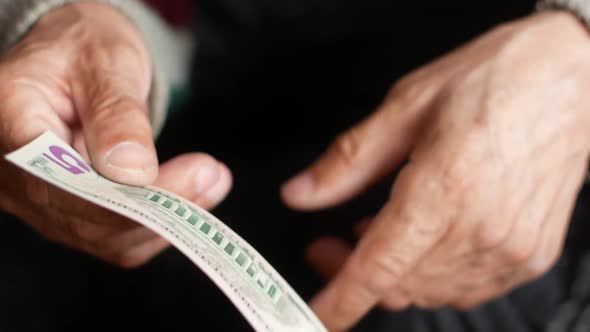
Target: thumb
110, 93
355, 160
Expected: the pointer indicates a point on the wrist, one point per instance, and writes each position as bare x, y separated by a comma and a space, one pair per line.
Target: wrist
555, 46
559, 25
557, 37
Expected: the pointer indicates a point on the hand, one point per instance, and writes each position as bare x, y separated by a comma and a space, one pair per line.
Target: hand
498, 138
84, 73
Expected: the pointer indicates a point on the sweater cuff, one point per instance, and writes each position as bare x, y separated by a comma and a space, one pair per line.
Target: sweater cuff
17, 17
580, 8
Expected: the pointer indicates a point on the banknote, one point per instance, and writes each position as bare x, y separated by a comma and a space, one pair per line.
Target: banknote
263, 297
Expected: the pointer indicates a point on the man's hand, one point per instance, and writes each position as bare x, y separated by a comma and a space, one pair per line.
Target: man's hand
498, 138
84, 73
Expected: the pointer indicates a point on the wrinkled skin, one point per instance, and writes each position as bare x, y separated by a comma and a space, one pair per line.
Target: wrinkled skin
497, 138
84, 73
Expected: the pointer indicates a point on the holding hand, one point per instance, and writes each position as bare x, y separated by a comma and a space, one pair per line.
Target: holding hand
84, 73
498, 139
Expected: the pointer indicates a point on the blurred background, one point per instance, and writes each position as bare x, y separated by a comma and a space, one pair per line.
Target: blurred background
272, 83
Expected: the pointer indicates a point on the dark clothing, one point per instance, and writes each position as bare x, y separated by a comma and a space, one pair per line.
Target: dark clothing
273, 82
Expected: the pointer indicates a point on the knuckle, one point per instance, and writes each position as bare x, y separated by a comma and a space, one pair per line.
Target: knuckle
474, 142
112, 115
491, 235
42, 227
114, 60
436, 296
538, 266
36, 191
348, 147
460, 169
108, 103
429, 304
48, 231
519, 253
464, 305
12, 131
420, 227
57, 235
474, 146
347, 305
58, 219
129, 260
499, 100
412, 89
384, 270
425, 230
470, 303
102, 249
403, 85
395, 303
404, 89
83, 230
76, 229
108, 52
458, 175
411, 180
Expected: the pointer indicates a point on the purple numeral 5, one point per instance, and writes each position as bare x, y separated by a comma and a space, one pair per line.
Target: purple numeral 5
66, 160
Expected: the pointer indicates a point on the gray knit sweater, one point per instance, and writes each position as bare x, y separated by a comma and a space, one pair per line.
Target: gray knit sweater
579, 7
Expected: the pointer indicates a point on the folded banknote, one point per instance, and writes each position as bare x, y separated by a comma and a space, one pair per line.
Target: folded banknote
263, 297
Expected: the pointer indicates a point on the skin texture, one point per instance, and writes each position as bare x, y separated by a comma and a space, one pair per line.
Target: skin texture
83, 72
497, 138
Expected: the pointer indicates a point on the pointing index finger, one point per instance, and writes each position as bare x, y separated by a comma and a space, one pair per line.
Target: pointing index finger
407, 227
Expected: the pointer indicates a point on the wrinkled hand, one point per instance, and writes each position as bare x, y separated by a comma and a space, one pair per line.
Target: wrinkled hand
84, 73
498, 136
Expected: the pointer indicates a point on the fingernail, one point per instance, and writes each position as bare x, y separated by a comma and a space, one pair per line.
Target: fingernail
131, 156
300, 185
207, 176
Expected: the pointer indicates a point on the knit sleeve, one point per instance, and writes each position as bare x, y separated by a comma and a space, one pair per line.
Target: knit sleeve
581, 8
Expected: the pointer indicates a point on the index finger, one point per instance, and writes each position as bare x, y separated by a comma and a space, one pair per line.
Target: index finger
407, 227
72, 205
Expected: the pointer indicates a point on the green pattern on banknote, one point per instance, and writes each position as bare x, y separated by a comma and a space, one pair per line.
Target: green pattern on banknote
241, 260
